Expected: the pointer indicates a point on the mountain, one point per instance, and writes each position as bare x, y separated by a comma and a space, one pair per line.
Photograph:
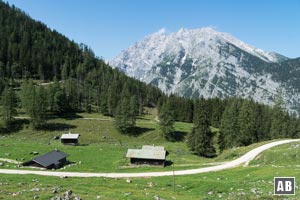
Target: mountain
208, 63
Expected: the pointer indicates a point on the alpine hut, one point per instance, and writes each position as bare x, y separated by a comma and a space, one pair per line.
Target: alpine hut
70, 138
51, 160
148, 155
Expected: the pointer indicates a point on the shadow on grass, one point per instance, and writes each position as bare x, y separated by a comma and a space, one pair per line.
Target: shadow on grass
53, 126
143, 118
15, 127
69, 116
83, 145
168, 163
68, 163
176, 136
137, 131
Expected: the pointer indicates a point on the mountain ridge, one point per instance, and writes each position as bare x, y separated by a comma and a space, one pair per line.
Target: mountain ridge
204, 62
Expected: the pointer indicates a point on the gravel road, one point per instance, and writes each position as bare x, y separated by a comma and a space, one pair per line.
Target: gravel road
243, 160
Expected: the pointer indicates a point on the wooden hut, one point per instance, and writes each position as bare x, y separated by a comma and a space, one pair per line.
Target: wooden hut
51, 160
70, 138
148, 155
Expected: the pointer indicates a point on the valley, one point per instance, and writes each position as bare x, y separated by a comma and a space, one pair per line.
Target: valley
107, 154
188, 114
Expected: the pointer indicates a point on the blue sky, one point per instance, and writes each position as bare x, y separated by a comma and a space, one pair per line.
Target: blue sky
109, 26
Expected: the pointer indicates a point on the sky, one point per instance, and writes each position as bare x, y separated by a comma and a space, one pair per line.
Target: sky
110, 26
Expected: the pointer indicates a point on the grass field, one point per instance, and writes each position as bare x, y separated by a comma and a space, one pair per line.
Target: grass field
103, 149
253, 182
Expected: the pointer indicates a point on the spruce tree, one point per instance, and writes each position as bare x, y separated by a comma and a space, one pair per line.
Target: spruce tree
104, 105
200, 140
134, 109
71, 92
277, 129
229, 126
166, 121
38, 117
34, 102
247, 127
124, 121
8, 106
27, 96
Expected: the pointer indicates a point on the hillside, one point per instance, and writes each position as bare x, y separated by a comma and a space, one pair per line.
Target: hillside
44, 75
31, 50
208, 63
253, 182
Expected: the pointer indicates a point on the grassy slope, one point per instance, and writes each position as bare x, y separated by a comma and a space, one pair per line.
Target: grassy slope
103, 148
253, 182
108, 155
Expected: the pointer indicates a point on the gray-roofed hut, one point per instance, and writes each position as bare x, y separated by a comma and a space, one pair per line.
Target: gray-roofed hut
70, 138
148, 155
51, 160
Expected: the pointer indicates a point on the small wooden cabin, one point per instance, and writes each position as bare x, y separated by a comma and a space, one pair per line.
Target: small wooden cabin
148, 155
51, 160
70, 138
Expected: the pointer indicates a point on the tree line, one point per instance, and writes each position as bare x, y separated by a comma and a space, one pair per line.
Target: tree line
31, 53
240, 122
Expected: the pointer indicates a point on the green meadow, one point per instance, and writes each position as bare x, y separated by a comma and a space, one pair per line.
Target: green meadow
103, 149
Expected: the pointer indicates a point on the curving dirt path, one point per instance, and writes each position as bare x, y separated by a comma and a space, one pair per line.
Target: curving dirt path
9, 160
244, 160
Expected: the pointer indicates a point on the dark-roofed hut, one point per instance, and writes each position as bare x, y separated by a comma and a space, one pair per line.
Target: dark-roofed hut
148, 155
70, 138
51, 160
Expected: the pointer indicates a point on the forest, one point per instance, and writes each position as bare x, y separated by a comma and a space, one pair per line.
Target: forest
46, 75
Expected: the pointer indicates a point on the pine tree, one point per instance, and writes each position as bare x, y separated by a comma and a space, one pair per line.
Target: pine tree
134, 109
229, 126
34, 102
57, 98
27, 96
278, 123
64, 72
8, 106
39, 116
166, 121
247, 128
72, 96
200, 140
112, 99
60, 103
124, 121
217, 111
104, 105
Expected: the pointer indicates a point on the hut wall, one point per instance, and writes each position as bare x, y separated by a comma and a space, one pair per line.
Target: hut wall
139, 161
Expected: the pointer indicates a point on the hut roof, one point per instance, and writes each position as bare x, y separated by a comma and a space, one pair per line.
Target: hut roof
50, 158
147, 152
154, 148
70, 136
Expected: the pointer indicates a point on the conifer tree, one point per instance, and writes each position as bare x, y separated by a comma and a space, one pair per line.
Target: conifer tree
27, 96
8, 106
124, 119
200, 140
39, 116
229, 126
104, 105
34, 102
166, 120
247, 128
71, 92
134, 109
277, 129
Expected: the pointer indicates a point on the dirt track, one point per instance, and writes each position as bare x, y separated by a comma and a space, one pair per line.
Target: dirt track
243, 160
